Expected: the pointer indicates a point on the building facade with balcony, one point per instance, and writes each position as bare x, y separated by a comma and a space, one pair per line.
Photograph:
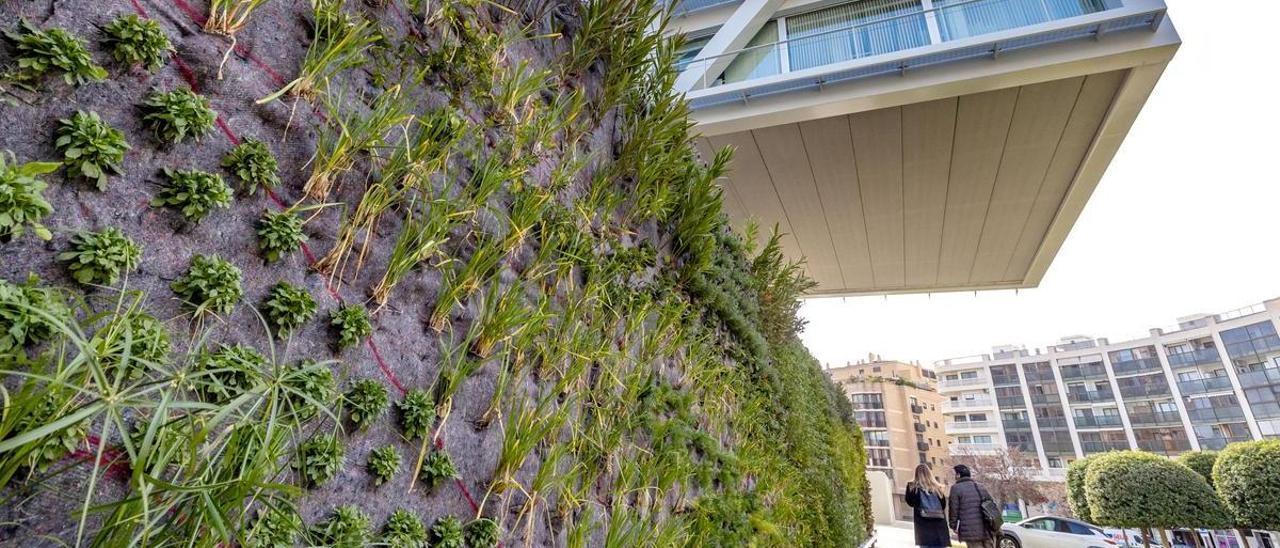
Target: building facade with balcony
1213, 380
918, 145
898, 407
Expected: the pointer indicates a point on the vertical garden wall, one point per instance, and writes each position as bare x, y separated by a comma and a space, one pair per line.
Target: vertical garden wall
411, 272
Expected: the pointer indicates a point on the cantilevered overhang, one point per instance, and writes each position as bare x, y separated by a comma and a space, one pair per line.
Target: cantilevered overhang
959, 172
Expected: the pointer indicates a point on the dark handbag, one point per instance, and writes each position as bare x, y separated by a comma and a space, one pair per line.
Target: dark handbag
992, 517
930, 505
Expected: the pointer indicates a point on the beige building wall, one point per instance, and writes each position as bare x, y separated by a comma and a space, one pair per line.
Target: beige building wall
900, 411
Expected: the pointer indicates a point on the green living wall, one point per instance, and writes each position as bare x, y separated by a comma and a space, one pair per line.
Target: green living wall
345, 273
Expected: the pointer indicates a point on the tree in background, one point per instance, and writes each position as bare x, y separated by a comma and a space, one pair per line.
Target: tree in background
1075, 488
1247, 478
1009, 474
1200, 461
1144, 490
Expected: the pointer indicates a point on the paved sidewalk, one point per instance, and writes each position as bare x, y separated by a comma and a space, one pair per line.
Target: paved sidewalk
898, 535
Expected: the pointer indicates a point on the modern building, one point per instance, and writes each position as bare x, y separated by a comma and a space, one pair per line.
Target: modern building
1213, 380
900, 412
918, 145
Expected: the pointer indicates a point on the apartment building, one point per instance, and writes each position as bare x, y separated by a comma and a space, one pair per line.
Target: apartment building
1213, 380
900, 412
918, 145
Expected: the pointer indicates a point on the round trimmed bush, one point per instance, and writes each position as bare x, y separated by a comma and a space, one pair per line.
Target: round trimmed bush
1075, 488
1247, 476
1200, 461
1140, 489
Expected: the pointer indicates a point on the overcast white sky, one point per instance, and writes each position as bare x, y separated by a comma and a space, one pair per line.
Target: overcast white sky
1184, 221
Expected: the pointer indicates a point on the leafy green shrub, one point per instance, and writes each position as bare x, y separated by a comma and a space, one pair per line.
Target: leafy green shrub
352, 322
22, 313
1076, 498
1200, 461
437, 467
287, 308
417, 413
481, 533
404, 530
348, 527
212, 285
277, 528
178, 114
135, 41
384, 462
98, 258
1247, 476
319, 459
134, 341
309, 387
1139, 489
228, 372
279, 233
193, 192
254, 164
22, 203
447, 533
366, 401
40, 52
90, 147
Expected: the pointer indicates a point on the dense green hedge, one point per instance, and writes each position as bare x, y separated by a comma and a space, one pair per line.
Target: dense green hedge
1139, 489
1247, 477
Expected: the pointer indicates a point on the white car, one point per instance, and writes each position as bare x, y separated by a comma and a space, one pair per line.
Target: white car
1054, 532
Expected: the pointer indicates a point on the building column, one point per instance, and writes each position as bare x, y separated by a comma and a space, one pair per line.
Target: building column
1031, 415
931, 21
733, 35
1115, 390
1066, 408
1177, 394
1250, 421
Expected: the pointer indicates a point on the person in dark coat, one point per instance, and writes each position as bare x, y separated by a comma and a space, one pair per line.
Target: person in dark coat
965, 513
928, 505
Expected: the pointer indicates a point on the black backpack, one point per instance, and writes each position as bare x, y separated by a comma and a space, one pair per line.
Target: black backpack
931, 505
992, 517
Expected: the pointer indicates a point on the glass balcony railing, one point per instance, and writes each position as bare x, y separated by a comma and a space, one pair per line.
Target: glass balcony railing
1216, 414
1004, 380
1145, 390
1010, 401
1091, 447
1017, 424
1203, 356
1099, 421
1051, 422
1165, 447
1261, 377
1141, 365
1203, 386
1090, 396
1082, 373
840, 34
1218, 444
1046, 399
1155, 417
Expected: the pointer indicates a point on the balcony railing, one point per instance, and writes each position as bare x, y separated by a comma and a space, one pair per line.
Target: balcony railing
1046, 399
1059, 448
877, 443
1155, 417
1165, 447
964, 405
1090, 396
1216, 414
1202, 356
1140, 365
916, 409
1204, 386
1218, 444
1004, 380
1010, 401
1080, 373
1265, 410
1016, 424
1051, 422
1099, 421
686, 6
920, 427
970, 426
958, 383
975, 448
904, 26
1261, 377
1090, 447
1145, 390
922, 446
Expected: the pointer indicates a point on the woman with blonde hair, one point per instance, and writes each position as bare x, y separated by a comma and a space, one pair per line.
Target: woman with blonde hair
928, 501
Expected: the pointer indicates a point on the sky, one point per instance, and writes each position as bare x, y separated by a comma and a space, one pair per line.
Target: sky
1185, 220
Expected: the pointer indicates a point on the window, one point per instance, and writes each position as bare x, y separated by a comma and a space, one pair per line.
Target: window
760, 59
964, 18
692, 47
977, 417
982, 439
1079, 529
1043, 524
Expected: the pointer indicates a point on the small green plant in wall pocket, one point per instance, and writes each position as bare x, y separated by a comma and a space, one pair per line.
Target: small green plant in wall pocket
212, 285
176, 115
195, 193
42, 52
137, 42
90, 147
22, 203
98, 258
352, 323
